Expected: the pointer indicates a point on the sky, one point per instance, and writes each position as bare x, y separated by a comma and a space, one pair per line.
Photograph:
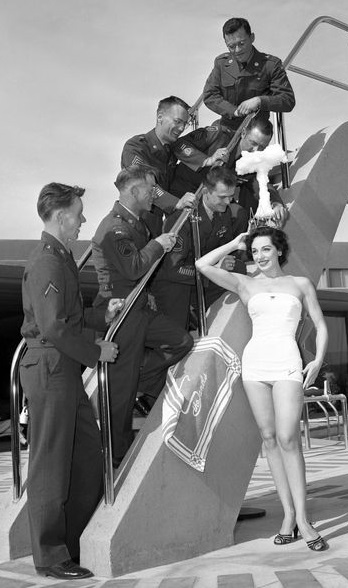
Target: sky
79, 77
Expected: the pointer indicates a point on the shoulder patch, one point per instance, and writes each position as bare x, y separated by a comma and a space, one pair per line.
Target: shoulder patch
125, 248
186, 150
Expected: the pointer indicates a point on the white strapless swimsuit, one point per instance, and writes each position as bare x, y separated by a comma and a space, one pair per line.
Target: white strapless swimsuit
272, 353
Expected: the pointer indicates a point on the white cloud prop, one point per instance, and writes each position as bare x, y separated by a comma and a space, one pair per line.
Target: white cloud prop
261, 162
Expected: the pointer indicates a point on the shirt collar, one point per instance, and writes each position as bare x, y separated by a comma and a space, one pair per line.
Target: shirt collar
130, 211
209, 212
53, 241
246, 63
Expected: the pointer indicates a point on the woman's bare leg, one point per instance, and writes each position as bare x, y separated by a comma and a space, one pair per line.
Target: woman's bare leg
261, 402
288, 402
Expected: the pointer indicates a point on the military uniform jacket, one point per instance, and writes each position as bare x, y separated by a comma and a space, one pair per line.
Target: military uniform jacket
178, 264
123, 253
228, 85
148, 150
52, 304
190, 150
194, 147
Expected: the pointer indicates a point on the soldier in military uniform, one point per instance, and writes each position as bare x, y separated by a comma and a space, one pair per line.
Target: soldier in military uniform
149, 343
243, 80
65, 463
195, 149
153, 149
220, 220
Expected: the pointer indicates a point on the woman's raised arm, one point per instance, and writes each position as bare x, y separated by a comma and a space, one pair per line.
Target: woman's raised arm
207, 266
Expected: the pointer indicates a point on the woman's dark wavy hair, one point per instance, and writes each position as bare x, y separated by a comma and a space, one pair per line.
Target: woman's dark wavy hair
278, 238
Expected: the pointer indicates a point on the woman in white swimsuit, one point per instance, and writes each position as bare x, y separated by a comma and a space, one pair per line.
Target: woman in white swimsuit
271, 364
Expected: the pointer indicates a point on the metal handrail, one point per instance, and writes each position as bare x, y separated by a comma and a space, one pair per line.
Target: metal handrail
319, 399
280, 131
279, 127
103, 386
15, 425
14, 402
307, 33
102, 379
287, 63
102, 371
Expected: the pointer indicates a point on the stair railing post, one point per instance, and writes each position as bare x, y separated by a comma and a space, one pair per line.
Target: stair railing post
202, 321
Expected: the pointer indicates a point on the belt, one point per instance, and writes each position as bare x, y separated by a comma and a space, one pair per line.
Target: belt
38, 343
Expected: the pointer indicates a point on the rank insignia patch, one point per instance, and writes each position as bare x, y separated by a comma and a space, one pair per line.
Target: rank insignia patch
51, 286
179, 245
159, 191
137, 160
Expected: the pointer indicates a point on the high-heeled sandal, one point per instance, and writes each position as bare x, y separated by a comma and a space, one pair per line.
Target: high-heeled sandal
282, 539
318, 544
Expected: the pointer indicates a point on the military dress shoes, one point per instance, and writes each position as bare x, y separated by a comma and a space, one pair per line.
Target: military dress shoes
67, 570
142, 406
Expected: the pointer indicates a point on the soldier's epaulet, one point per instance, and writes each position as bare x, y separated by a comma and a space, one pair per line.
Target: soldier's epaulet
269, 57
223, 56
56, 251
48, 249
136, 139
121, 227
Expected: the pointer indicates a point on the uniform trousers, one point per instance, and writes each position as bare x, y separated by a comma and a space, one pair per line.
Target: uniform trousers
65, 461
174, 299
148, 344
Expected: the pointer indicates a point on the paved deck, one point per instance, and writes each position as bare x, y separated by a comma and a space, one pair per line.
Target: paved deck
254, 561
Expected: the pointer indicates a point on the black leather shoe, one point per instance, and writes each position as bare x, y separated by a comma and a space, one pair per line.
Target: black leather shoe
142, 406
67, 570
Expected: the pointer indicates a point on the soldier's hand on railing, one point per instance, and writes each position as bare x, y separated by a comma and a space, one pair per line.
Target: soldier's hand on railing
221, 155
167, 240
188, 200
280, 214
109, 350
248, 106
114, 307
151, 302
228, 263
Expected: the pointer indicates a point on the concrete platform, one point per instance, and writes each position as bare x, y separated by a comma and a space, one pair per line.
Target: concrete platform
254, 561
